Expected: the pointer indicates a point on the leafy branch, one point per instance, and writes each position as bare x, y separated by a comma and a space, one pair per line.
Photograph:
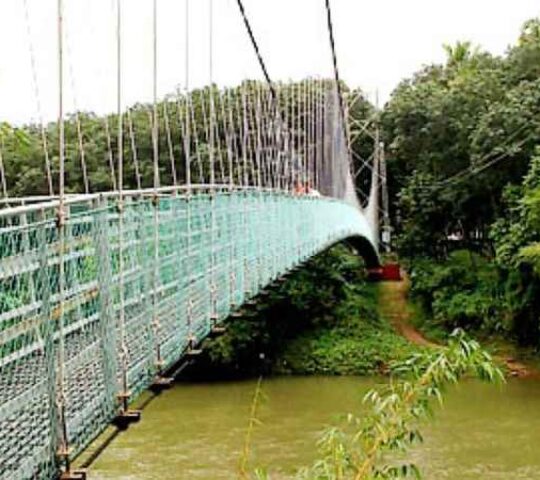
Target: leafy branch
365, 449
243, 466
7, 131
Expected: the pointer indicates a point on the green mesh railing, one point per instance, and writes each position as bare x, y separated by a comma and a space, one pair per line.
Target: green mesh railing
132, 304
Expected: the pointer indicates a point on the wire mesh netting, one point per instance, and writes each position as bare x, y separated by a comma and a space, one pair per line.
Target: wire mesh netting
140, 286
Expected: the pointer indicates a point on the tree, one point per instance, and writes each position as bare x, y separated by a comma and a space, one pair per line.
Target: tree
426, 222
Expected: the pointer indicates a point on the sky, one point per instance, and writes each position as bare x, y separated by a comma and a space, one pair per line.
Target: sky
379, 42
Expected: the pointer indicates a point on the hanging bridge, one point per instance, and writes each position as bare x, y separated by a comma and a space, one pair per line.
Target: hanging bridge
103, 292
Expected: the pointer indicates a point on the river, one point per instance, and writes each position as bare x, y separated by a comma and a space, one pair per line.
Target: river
196, 431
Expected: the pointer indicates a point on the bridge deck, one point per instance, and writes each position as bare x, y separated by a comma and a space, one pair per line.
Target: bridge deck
141, 286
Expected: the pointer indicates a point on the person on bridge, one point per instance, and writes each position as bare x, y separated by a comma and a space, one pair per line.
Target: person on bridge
300, 188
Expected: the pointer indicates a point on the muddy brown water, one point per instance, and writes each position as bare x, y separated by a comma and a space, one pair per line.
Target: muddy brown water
196, 431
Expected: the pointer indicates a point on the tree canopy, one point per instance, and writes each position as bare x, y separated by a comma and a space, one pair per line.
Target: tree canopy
463, 143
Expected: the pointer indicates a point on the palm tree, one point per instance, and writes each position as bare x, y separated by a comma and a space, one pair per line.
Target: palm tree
459, 53
530, 32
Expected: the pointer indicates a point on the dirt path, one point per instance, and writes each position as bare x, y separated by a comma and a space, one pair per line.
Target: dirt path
394, 306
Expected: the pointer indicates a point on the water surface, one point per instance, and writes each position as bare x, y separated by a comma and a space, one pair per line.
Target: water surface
196, 431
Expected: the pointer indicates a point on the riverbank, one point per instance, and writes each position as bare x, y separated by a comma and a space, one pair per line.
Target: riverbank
327, 319
411, 321
324, 319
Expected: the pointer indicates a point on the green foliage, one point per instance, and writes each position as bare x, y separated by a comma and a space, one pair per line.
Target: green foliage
520, 227
531, 255
323, 320
463, 291
425, 217
467, 128
471, 292
23, 148
7, 132
465, 174
459, 54
359, 343
372, 442
243, 470
524, 58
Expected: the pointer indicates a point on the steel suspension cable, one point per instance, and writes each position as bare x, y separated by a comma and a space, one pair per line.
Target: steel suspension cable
330, 26
181, 105
196, 141
318, 135
279, 140
259, 149
276, 141
156, 226
308, 132
474, 170
312, 138
120, 118
220, 119
155, 113
187, 147
3, 180
255, 45
265, 139
266, 135
225, 112
245, 134
124, 394
273, 94
170, 143
206, 129
110, 156
239, 137
344, 123
287, 144
252, 136
78, 125
187, 131
294, 137
61, 223
288, 139
134, 152
37, 98
300, 143
233, 137
305, 131
211, 89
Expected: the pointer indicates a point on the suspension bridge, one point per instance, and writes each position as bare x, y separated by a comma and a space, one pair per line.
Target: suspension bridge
104, 292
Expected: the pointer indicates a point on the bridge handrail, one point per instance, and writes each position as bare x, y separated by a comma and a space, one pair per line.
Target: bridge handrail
53, 202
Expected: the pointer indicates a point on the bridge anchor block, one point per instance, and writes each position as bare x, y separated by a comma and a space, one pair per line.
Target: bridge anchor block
218, 330
81, 474
160, 384
124, 419
192, 350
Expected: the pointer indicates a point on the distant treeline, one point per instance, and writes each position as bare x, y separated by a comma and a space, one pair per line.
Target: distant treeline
211, 116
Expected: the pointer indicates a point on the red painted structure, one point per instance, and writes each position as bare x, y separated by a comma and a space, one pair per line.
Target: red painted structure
389, 272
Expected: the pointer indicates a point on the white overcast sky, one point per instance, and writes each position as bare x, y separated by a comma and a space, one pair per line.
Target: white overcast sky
379, 42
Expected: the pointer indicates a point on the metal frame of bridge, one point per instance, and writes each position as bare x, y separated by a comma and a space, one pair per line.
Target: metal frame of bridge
216, 249
102, 293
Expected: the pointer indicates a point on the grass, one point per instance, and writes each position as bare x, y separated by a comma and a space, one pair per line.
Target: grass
359, 342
